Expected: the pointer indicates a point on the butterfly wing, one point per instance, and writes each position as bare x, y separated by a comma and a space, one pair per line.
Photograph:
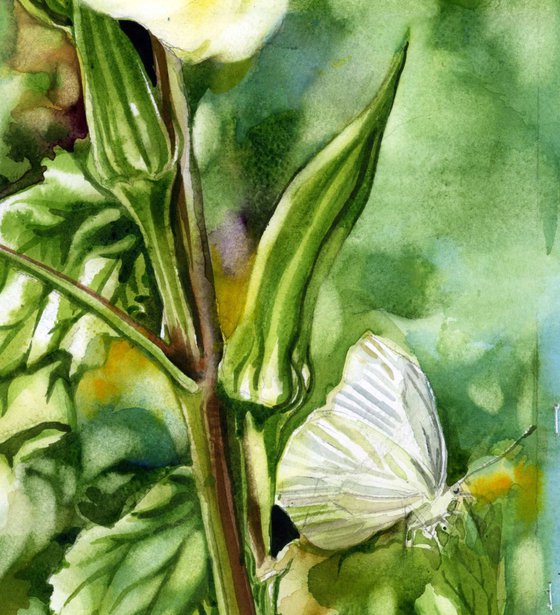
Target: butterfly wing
374, 453
385, 388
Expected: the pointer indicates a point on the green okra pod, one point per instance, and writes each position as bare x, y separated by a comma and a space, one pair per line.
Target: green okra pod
266, 357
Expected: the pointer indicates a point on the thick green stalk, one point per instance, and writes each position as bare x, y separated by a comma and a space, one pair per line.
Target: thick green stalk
191, 223
231, 583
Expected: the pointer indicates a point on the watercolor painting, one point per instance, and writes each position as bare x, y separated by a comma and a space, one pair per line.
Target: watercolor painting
279, 289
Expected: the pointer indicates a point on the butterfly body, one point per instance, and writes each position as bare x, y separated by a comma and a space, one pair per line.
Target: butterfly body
432, 516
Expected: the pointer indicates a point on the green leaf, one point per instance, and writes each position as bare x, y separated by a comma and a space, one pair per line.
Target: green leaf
36, 607
470, 575
135, 435
115, 492
375, 578
46, 338
154, 560
67, 224
36, 497
34, 402
266, 357
432, 603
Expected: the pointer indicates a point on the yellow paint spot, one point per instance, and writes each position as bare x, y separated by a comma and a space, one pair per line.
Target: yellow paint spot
528, 477
231, 291
524, 477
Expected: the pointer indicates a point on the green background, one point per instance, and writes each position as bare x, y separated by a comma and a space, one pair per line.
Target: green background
456, 253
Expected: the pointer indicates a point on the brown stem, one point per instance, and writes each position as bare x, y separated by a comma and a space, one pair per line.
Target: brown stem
193, 245
258, 495
217, 433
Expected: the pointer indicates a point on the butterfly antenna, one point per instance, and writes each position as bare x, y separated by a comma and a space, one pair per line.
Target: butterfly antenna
508, 450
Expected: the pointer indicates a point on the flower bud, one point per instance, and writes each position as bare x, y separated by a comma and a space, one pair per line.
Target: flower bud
128, 135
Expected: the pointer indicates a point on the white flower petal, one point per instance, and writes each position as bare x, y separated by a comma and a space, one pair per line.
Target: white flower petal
227, 30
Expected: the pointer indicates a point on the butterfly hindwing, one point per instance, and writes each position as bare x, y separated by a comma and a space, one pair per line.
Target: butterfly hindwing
371, 455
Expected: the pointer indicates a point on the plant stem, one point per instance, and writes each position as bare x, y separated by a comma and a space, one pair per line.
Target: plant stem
259, 491
191, 222
232, 587
121, 322
154, 221
206, 421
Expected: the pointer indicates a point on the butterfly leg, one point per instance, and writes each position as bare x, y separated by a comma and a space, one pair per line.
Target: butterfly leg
435, 538
407, 535
411, 531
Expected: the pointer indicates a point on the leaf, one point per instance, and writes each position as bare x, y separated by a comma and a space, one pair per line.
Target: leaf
470, 572
36, 498
431, 603
377, 577
134, 404
153, 560
36, 607
115, 492
34, 402
67, 224
266, 357
135, 435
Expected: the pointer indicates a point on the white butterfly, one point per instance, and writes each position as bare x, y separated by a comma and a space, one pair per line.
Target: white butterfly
373, 455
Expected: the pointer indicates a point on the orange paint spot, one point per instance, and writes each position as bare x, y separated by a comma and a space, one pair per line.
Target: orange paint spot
491, 486
106, 385
103, 389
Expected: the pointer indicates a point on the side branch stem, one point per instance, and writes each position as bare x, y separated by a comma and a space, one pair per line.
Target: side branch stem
153, 218
191, 221
89, 300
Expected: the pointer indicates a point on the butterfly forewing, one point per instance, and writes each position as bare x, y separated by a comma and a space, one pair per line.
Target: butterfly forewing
374, 453
389, 390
